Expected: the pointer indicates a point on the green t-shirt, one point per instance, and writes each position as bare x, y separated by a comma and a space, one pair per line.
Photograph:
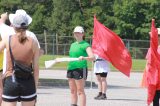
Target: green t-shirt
78, 49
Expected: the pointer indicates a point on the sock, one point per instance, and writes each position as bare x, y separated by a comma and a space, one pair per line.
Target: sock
100, 93
103, 94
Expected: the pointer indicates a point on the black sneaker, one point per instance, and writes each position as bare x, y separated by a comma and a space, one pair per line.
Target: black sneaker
99, 95
102, 97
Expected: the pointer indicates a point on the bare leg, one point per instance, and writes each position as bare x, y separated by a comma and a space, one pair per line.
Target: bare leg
104, 84
99, 83
81, 93
30, 103
73, 89
8, 103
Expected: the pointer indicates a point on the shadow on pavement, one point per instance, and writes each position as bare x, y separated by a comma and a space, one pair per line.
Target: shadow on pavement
126, 99
60, 83
63, 83
121, 87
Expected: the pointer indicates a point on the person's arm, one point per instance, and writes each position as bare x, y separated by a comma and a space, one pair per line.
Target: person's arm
2, 45
3, 18
35, 63
5, 30
90, 55
41, 52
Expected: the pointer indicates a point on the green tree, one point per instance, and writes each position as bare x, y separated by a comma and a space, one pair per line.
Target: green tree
133, 18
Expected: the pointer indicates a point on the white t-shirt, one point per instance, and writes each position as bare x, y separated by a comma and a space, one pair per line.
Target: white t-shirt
101, 65
6, 31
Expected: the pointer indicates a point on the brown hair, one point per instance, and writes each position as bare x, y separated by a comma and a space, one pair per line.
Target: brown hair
83, 37
20, 34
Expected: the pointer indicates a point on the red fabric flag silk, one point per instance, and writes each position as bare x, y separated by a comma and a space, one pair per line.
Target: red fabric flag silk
109, 46
151, 75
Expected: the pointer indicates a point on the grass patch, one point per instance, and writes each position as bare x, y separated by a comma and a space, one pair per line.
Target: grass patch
62, 65
138, 65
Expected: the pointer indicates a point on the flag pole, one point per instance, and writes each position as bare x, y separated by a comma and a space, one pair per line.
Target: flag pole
91, 76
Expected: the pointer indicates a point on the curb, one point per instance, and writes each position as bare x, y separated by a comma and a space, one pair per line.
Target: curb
60, 83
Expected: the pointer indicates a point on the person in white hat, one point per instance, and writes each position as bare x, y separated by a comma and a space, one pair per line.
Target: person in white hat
6, 30
77, 70
101, 69
157, 94
26, 50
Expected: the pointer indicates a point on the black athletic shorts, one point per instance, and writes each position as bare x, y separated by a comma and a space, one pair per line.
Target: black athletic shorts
20, 90
102, 74
77, 73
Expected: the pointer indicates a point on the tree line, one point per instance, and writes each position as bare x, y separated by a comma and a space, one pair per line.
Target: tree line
130, 19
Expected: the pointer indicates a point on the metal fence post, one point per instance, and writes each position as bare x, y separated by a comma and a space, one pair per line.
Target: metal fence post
128, 44
53, 43
57, 44
45, 38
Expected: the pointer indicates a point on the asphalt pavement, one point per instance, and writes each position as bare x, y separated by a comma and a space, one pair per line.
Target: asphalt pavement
121, 91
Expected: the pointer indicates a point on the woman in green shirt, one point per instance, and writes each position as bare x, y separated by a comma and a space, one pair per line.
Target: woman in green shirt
77, 70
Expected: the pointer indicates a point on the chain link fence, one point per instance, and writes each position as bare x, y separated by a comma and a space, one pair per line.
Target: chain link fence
59, 45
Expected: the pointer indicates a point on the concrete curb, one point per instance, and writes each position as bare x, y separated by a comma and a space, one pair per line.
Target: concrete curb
60, 83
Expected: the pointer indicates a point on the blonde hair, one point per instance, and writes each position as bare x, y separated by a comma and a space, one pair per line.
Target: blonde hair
20, 34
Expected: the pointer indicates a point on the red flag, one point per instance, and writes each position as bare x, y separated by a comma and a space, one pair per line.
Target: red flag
152, 69
109, 46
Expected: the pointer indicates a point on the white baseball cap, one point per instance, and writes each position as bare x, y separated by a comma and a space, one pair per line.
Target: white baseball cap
78, 29
20, 14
